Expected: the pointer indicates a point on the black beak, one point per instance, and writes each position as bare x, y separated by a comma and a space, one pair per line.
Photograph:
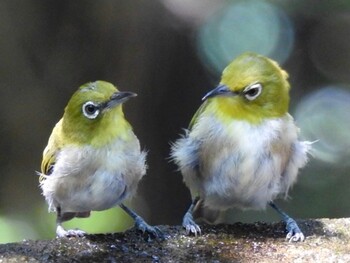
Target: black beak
118, 98
221, 90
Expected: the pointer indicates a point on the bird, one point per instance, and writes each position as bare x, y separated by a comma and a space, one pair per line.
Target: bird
242, 148
93, 160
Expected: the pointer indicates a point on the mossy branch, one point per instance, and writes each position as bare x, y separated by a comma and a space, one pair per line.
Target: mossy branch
327, 240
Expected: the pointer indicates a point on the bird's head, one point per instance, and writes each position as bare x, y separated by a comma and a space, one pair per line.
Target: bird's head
252, 88
94, 113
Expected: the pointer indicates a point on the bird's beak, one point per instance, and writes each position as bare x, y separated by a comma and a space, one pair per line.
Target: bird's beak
221, 90
119, 97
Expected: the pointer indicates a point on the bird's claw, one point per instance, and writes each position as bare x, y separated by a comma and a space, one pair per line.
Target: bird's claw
61, 232
296, 237
153, 231
193, 229
190, 226
294, 232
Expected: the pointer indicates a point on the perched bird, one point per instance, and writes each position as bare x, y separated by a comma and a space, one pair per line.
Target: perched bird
93, 160
242, 149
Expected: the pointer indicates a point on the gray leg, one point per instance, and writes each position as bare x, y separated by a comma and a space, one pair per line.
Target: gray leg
294, 232
141, 224
188, 221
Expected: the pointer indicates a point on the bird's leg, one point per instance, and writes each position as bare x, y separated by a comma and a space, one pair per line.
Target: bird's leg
294, 232
188, 221
60, 231
141, 224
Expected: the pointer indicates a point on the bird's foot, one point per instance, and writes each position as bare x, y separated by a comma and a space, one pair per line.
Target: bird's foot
61, 232
190, 226
152, 231
294, 232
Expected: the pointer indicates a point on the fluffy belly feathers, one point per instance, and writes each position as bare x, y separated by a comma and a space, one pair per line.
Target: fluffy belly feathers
87, 178
243, 165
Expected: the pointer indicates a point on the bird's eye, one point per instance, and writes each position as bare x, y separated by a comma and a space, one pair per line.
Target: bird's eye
91, 110
253, 91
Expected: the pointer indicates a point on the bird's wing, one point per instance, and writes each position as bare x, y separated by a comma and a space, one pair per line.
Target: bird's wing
48, 162
200, 212
197, 114
297, 159
50, 153
185, 153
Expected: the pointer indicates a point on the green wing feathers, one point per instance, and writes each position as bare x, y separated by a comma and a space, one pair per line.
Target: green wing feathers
49, 159
197, 114
50, 152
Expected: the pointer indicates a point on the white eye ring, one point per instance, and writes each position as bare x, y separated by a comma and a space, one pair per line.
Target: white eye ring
253, 91
91, 110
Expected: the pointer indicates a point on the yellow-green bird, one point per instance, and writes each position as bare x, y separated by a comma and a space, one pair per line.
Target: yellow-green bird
93, 160
242, 148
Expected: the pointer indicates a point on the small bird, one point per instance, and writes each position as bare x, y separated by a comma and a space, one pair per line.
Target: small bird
242, 148
93, 160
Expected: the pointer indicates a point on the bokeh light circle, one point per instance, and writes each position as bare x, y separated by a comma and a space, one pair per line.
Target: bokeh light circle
324, 116
242, 26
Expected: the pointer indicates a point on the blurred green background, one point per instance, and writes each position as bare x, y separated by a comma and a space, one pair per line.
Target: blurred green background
170, 52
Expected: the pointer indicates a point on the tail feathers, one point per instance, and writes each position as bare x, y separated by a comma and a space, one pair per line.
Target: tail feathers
205, 214
82, 214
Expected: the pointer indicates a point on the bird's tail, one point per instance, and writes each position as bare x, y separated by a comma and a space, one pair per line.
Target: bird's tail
205, 214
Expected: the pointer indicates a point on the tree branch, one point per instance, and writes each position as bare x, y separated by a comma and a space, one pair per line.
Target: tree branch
327, 240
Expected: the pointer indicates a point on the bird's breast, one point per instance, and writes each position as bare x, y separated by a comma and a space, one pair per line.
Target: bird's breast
89, 178
241, 163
